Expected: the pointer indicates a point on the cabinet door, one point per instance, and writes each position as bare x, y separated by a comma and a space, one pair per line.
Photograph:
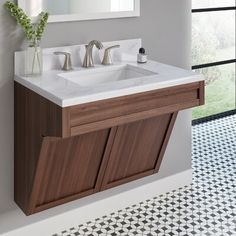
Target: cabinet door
138, 149
67, 169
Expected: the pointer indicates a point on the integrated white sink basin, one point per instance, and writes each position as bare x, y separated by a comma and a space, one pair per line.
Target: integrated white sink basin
82, 86
107, 74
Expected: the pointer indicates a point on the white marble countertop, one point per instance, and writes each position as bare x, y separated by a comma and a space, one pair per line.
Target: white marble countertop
66, 93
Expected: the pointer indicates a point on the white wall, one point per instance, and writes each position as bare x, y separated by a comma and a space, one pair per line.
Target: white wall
164, 26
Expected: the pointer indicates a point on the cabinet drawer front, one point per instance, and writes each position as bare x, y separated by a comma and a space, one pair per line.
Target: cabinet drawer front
116, 111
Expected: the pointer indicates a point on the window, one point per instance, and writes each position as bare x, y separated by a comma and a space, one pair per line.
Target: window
213, 53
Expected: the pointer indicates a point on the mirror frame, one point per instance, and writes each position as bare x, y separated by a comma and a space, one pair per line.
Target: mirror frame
89, 16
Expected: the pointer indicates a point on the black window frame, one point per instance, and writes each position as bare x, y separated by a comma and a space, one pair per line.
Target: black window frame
216, 63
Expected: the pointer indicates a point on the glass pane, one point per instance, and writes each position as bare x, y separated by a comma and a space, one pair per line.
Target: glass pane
67, 7
220, 90
212, 3
213, 36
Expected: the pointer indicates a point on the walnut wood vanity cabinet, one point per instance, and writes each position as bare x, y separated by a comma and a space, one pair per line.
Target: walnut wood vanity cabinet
62, 154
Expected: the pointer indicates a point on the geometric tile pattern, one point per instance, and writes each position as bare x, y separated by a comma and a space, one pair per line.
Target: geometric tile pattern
207, 208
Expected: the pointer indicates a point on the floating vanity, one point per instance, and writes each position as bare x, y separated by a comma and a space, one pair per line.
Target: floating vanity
87, 130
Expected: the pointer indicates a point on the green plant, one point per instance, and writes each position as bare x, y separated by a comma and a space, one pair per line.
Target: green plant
33, 31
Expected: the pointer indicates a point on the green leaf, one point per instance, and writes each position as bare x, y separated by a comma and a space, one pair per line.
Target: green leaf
33, 32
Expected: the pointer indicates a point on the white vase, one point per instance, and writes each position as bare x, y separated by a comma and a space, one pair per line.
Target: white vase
33, 61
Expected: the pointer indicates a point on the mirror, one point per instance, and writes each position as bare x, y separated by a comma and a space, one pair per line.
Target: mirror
74, 10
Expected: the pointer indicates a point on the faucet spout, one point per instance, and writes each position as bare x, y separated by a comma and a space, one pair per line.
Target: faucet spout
88, 59
97, 43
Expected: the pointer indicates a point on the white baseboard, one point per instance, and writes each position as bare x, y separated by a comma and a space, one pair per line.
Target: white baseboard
55, 220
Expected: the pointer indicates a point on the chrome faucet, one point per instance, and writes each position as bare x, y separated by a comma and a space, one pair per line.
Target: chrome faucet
88, 59
67, 64
107, 59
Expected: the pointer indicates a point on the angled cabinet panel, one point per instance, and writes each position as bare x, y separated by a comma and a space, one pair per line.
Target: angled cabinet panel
138, 149
67, 169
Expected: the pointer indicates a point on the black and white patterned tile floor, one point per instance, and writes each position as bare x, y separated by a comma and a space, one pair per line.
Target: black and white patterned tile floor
206, 208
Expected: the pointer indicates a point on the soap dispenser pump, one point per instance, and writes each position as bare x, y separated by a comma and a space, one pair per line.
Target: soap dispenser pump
142, 56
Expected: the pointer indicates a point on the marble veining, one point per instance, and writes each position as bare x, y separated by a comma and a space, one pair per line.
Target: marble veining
64, 93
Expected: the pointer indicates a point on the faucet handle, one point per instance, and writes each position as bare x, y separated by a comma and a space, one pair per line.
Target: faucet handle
107, 59
67, 64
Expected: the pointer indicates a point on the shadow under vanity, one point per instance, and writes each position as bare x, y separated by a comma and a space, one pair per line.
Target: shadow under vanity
74, 140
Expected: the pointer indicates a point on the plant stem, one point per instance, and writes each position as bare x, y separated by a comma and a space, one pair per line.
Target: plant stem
39, 62
33, 63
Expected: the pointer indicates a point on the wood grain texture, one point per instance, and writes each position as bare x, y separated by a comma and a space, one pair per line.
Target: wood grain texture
118, 111
34, 117
136, 149
62, 154
202, 93
165, 141
106, 158
78, 130
68, 168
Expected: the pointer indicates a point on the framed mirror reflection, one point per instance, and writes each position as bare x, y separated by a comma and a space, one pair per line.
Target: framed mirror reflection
76, 10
